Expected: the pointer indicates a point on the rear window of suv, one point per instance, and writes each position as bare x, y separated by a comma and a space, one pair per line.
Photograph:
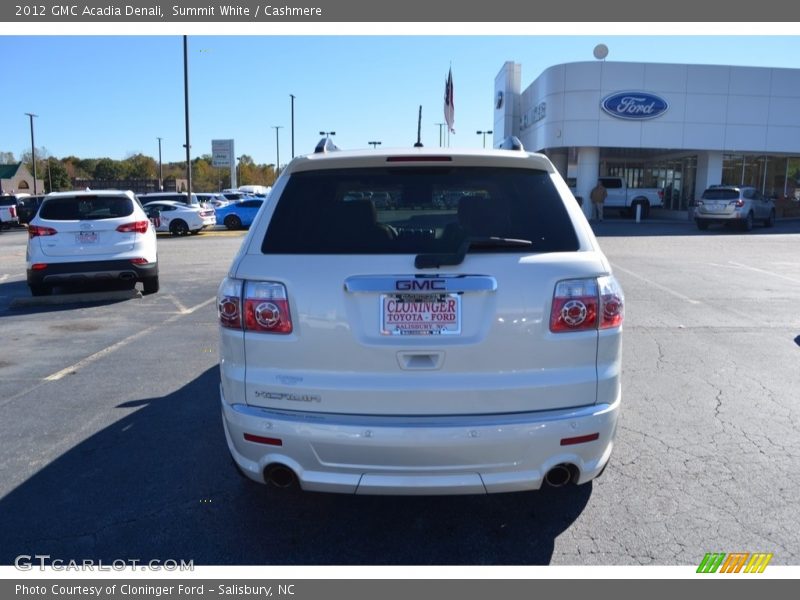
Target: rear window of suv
721, 194
417, 210
79, 208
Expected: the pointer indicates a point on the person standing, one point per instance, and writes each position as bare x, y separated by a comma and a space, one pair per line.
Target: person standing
598, 197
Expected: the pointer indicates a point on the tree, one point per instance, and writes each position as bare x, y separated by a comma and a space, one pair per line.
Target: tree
108, 170
56, 177
7, 158
140, 166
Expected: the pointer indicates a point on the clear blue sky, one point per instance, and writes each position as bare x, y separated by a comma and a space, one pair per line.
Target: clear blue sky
112, 96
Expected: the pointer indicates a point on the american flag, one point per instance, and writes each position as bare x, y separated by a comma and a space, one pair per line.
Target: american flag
449, 101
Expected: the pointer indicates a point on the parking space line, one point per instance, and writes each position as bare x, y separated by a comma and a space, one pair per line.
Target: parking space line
764, 271
657, 285
105, 352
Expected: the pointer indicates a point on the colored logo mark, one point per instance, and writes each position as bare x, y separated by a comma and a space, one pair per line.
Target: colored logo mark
737, 562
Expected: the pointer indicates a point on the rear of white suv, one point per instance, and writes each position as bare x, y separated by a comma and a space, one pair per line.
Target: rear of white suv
81, 237
465, 338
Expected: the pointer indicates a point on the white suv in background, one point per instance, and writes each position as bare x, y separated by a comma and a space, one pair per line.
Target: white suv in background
465, 337
81, 237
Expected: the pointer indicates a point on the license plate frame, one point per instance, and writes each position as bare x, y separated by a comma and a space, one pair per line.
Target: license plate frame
420, 314
84, 238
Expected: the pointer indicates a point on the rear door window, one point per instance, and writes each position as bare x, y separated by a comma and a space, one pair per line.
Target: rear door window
80, 208
417, 210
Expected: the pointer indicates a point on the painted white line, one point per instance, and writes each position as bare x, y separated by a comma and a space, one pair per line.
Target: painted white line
765, 272
113, 347
657, 285
181, 308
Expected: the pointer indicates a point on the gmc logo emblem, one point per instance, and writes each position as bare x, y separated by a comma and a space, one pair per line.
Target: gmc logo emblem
424, 285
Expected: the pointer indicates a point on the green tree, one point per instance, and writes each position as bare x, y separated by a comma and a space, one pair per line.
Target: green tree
108, 169
140, 166
56, 177
87, 167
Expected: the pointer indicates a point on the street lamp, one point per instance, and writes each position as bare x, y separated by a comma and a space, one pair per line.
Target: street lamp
186, 110
277, 129
374, 144
160, 167
327, 133
440, 133
484, 135
33, 152
239, 170
293, 97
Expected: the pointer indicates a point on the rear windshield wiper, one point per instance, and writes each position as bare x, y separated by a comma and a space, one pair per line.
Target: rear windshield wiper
434, 261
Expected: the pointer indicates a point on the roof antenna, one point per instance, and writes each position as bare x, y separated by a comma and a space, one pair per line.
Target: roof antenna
419, 129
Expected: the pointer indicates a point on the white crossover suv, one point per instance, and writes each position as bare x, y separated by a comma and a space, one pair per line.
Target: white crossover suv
92, 236
464, 337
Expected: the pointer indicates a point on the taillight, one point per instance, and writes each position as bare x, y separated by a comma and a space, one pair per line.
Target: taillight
135, 227
739, 203
229, 304
259, 306
585, 304
37, 230
266, 308
12, 210
612, 303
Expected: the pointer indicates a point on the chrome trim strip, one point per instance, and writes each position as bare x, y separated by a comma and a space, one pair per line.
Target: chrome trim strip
419, 284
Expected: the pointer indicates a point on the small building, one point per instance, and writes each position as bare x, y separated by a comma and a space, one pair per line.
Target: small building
16, 179
677, 127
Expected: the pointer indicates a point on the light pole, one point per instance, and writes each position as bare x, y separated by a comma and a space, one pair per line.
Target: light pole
484, 135
440, 133
33, 152
239, 171
160, 167
327, 133
374, 144
186, 110
292, 96
277, 129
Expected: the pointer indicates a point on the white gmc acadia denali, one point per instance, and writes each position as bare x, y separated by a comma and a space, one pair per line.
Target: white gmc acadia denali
420, 321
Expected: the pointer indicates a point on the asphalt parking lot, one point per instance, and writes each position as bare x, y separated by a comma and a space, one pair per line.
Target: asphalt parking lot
112, 445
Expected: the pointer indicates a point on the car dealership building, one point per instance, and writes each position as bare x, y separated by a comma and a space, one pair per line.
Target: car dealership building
680, 128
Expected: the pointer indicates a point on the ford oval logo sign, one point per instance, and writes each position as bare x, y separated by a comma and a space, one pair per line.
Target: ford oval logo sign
634, 105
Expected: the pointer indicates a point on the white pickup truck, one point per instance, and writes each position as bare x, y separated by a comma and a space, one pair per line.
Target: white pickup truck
620, 196
8, 212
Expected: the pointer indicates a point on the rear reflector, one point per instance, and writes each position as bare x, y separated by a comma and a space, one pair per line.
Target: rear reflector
139, 261
580, 439
38, 266
419, 159
263, 440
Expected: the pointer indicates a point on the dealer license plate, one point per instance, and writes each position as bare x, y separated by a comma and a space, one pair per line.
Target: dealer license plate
86, 237
420, 314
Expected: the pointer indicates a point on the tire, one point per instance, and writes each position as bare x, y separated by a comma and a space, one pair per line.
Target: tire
233, 222
40, 289
179, 227
150, 285
747, 224
701, 225
770, 220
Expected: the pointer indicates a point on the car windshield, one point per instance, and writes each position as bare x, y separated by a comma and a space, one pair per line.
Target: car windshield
77, 208
721, 194
419, 210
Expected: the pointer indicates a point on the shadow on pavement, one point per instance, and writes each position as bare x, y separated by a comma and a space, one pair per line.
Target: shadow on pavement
159, 484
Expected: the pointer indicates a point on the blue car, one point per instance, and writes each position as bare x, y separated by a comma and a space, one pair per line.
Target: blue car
239, 214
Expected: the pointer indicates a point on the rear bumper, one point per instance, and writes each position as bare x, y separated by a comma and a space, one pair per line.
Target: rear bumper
719, 217
85, 272
473, 454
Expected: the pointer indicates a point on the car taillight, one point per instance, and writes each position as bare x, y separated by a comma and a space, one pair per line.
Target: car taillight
739, 203
229, 303
266, 308
12, 210
135, 227
37, 230
585, 304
